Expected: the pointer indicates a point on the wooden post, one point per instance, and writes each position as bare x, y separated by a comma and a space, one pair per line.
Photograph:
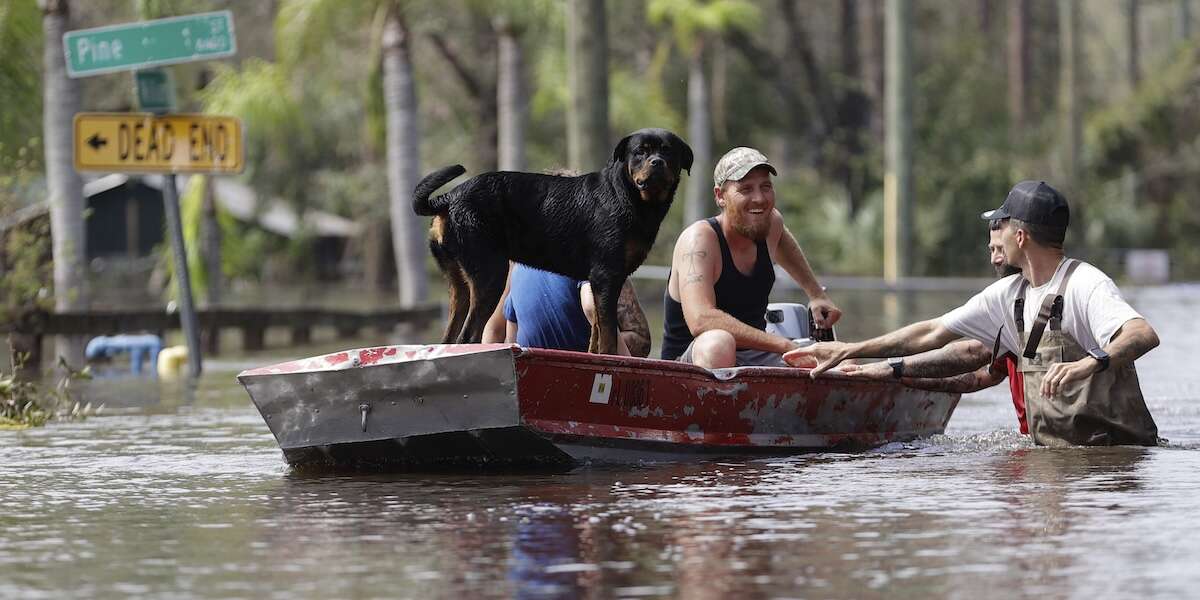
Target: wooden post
897, 180
347, 328
301, 334
252, 337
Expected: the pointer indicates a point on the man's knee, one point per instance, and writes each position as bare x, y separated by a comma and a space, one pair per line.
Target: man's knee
715, 349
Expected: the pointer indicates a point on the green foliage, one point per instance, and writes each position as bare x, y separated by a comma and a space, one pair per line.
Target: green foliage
282, 146
692, 19
25, 265
20, 77
24, 404
964, 163
1143, 157
833, 239
1159, 118
305, 28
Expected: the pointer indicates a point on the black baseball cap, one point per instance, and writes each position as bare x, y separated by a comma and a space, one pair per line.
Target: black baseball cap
1033, 202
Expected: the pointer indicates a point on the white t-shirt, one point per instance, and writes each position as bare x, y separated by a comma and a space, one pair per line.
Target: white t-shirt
1093, 309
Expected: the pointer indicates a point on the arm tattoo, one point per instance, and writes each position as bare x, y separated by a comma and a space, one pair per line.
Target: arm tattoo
964, 383
943, 362
695, 273
631, 322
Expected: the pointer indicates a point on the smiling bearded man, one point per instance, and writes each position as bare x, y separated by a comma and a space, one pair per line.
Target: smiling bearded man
722, 272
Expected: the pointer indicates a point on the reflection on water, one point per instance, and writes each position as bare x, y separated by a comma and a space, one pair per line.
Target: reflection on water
186, 495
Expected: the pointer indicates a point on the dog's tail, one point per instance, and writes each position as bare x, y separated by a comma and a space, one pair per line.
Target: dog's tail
421, 202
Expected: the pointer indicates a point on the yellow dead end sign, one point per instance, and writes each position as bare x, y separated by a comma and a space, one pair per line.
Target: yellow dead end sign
147, 143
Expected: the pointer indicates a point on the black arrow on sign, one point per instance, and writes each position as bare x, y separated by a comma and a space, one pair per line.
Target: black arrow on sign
96, 142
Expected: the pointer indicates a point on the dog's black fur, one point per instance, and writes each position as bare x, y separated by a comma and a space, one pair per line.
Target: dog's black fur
597, 227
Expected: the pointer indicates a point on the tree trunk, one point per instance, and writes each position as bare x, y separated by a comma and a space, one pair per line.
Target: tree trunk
65, 186
985, 17
1069, 93
587, 73
1071, 112
897, 182
1018, 65
699, 196
871, 42
802, 54
403, 161
720, 82
1185, 19
853, 110
1132, 22
511, 98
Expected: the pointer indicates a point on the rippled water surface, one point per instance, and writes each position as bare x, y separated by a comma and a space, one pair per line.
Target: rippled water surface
188, 496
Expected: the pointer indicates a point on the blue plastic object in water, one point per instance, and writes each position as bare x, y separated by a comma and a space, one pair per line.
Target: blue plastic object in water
138, 347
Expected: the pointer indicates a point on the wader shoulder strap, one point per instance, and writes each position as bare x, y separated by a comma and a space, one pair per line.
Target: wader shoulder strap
1052, 307
1019, 307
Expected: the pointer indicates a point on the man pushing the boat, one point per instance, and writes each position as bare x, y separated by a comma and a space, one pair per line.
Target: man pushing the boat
1074, 335
722, 271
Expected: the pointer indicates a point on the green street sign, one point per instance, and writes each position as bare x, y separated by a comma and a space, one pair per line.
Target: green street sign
143, 44
155, 90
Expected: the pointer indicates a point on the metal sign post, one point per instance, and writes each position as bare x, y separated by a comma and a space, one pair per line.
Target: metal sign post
161, 101
187, 311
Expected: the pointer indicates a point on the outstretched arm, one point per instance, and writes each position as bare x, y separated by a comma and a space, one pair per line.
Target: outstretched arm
906, 341
957, 367
953, 359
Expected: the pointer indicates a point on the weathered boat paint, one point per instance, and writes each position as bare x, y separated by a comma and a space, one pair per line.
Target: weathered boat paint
495, 404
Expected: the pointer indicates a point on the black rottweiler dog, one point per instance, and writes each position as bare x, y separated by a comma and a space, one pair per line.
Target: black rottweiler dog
597, 227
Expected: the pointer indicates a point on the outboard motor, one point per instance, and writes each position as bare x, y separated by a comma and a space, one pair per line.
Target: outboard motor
794, 321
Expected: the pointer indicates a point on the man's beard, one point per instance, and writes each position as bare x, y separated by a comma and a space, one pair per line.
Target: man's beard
741, 224
1006, 270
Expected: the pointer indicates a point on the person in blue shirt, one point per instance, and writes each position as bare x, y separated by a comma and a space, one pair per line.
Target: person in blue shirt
540, 309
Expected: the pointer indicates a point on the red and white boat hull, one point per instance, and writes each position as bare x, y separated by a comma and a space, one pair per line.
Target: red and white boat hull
481, 404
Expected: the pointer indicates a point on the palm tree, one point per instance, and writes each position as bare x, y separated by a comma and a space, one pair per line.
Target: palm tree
692, 22
514, 21
306, 25
403, 157
512, 98
587, 66
65, 185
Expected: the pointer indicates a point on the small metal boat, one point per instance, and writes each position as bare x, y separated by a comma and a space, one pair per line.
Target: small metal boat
497, 405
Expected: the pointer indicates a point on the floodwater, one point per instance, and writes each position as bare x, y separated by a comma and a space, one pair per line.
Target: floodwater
187, 495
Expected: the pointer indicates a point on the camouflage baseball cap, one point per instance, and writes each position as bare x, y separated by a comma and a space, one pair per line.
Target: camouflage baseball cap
737, 162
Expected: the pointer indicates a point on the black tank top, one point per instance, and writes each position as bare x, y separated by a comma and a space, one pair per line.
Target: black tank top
743, 296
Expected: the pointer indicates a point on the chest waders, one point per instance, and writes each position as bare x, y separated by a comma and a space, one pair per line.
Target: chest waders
1105, 409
